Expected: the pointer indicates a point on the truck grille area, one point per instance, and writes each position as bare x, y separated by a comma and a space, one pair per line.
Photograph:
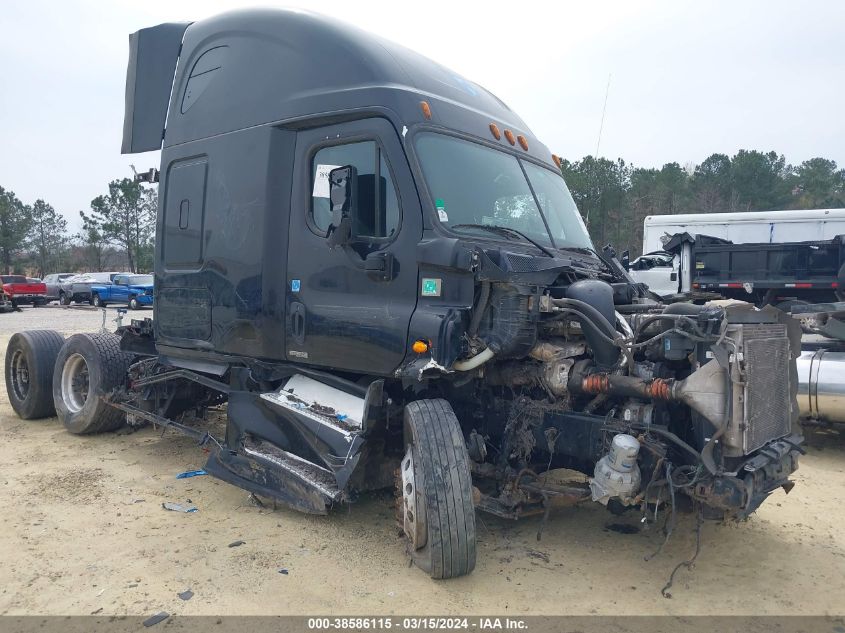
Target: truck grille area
767, 397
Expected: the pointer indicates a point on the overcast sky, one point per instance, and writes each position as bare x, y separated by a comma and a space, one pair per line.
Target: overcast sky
686, 79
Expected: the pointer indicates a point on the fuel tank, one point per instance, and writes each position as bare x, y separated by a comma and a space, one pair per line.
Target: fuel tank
821, 385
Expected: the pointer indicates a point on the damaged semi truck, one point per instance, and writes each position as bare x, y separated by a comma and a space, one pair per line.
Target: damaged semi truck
380, 270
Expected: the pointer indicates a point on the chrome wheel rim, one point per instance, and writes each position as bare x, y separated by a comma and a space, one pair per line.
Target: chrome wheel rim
20, 375
75, 383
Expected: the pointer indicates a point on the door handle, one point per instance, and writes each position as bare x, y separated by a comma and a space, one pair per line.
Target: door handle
379, 265
297, 322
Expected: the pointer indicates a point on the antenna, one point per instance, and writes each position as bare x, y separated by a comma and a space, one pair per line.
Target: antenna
603, 111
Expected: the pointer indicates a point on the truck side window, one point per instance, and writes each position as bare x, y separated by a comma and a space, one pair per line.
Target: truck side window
378, 206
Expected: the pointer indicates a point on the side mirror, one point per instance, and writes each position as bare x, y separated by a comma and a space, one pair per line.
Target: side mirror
343, 198
626, 260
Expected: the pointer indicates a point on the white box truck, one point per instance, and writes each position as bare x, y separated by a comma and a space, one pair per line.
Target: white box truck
768, 227
761, 273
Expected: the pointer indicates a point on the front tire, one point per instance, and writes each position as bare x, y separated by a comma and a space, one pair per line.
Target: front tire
97, 302
438, 511
30, 360
133, 304
64, 300
88, 368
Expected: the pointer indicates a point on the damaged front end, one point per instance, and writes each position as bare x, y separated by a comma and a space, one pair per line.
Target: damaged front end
687, 404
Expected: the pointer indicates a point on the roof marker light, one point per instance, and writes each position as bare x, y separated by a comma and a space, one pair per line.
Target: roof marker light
494, 130
523, 143
426, 109
509, 135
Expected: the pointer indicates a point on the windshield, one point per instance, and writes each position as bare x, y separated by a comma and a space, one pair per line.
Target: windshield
141, 280
474, 186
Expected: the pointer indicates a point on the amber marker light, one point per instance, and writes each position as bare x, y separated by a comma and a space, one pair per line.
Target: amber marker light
523, 143
509, 135
426, 109
494, 130
420, 346
556, 160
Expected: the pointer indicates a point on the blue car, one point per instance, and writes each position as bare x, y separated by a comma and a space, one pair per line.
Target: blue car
133, 290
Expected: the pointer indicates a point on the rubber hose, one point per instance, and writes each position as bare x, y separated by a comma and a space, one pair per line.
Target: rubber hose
480, 307
476, 361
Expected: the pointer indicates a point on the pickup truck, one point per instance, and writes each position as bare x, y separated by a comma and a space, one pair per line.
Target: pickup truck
134, 290
77, 289
53, 283
20, 290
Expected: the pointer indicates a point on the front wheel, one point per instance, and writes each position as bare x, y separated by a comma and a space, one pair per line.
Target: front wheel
437, 507
88, 369
133, 304
64, 300
97, 302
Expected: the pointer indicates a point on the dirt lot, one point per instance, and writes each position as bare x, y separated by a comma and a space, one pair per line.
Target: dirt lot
83, 529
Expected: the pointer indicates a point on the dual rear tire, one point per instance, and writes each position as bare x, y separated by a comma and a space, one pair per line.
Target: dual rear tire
30, 360
47, 375
88, 368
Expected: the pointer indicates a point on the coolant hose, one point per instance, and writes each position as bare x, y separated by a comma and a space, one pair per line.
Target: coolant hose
480, 307
476, 361
601, 335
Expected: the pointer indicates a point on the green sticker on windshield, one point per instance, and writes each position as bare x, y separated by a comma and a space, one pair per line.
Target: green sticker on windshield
441, 210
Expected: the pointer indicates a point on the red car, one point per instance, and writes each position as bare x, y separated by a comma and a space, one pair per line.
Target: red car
20, 290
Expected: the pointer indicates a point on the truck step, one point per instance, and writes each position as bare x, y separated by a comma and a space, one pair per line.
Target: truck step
309, 473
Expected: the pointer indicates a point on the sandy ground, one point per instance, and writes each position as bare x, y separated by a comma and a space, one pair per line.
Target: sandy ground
83, 530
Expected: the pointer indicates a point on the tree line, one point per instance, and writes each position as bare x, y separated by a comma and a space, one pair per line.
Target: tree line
117, 233
614, 197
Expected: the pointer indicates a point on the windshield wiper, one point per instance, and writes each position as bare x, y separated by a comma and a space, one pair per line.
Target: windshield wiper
595, 253
506, 231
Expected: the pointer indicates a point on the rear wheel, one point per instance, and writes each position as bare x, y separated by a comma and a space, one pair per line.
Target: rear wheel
89, 367
437, 507
30, 360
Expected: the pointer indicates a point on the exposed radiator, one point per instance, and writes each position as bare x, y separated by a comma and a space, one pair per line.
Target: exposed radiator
767, 416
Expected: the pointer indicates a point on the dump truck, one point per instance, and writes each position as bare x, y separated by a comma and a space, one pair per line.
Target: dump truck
379, 270
784, 274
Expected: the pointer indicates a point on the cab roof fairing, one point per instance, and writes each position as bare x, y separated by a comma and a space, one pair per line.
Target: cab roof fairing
259, 67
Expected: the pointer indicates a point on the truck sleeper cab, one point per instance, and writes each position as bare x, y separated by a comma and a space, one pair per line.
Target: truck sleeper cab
379, 269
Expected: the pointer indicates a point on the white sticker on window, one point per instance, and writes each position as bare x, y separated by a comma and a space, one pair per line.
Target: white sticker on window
321, 180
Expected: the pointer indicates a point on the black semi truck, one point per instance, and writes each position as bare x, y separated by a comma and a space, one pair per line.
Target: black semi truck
379, 269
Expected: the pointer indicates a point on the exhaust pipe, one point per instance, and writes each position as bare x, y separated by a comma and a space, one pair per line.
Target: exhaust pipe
821, 385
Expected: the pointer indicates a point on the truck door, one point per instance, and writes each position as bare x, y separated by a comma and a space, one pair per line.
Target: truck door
349, 306
119, 289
